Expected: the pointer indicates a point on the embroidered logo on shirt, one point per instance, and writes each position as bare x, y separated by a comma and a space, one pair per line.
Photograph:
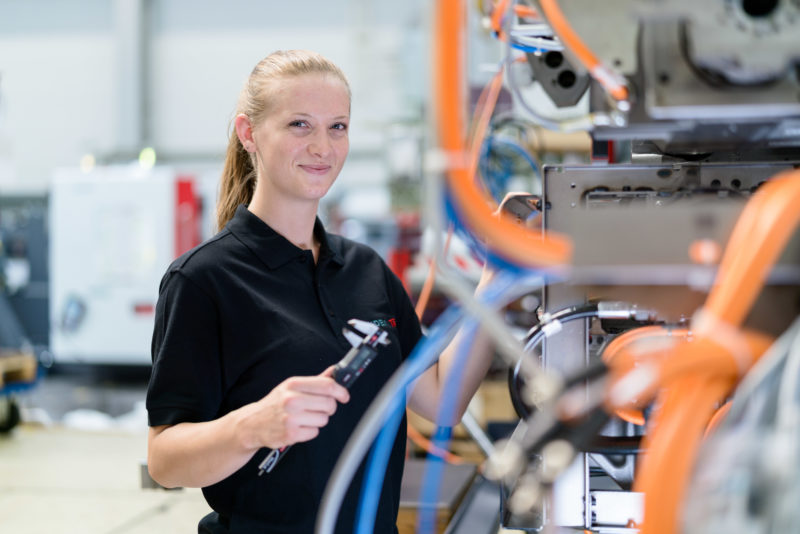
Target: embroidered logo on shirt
385, 323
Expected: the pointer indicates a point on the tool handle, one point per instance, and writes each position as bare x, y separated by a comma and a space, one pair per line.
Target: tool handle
272, 459
345, 372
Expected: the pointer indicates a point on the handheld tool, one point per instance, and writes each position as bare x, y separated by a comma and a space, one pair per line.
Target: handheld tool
365, 337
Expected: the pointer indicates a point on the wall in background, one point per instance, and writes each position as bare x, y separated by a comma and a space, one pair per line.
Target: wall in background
84, 76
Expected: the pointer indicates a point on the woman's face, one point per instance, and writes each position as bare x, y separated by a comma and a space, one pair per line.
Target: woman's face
302, 143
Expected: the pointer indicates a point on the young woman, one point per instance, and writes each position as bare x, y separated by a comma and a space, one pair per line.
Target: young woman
249, 323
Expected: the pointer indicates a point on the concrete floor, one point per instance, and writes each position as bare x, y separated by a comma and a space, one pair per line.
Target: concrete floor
75, 466
78, 470
58, 480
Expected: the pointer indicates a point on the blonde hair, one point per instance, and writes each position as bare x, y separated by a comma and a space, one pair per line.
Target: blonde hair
238, 180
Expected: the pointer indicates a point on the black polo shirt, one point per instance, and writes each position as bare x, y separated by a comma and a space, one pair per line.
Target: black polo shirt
246, 310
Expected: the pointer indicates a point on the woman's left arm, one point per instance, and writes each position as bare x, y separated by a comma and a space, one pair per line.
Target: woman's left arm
425, 394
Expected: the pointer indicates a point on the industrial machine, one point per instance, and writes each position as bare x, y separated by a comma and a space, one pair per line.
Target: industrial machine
665, 273
113, 232
697, 105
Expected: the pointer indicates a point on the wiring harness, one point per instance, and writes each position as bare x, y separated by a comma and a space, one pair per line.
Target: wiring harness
686, 372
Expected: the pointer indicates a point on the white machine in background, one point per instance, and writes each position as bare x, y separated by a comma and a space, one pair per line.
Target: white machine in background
113, 232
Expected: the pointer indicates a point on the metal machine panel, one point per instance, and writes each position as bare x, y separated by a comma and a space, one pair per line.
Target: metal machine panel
632, 227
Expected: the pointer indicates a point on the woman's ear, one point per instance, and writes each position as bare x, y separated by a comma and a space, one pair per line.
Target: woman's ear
244, 131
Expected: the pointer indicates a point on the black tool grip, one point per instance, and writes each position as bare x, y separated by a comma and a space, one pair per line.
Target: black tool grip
345, 372
353, 364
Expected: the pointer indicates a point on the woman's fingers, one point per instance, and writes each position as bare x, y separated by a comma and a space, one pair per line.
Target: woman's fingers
308, 419
304, 402
298, 407
319, 385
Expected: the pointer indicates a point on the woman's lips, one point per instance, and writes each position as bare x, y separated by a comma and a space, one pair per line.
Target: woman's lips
316, 169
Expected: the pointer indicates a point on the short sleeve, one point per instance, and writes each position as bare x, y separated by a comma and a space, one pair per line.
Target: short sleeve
186, 380
408, 328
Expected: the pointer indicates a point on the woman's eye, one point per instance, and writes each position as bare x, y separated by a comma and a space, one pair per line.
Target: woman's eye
340, 126
298, 124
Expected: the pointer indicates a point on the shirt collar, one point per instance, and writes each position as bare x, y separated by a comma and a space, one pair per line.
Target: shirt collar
271, 247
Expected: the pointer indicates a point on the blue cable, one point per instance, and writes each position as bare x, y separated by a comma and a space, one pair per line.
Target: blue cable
518, 149
425, 351
442, 330
528, 49
434, 468
368, 501
496, 261
496, 179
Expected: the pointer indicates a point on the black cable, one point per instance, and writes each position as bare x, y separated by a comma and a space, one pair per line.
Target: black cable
614, 445
613, 316
596, 369
567, 314
582, 435
534, 336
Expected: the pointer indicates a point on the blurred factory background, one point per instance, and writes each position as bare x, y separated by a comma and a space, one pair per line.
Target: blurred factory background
114, 117
658, 142
644, 309
129, 104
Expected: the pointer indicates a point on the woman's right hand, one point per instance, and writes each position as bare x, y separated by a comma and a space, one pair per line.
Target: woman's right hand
292, 412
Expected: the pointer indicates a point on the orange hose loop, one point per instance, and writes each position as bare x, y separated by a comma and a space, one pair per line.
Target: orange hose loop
709, 356
703, 374
625, 342
767, 222
646, 344
671, 442
512, 241
609, 79
668, 363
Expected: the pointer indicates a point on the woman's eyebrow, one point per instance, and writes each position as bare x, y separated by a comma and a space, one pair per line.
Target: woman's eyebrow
301, 114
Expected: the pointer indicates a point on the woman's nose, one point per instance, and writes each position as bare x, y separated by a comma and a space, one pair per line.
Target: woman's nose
320, 145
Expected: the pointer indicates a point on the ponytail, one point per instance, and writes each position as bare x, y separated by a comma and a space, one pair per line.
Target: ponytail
237, 183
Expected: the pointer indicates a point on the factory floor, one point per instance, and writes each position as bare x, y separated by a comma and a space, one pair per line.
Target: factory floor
75, 465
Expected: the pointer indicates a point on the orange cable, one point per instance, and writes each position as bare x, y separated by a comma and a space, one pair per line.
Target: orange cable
425, 292
496, 19
525, 12
671, 444
624, 348
427, 287
686, 404
701, 356
758, 238
482, 123
510, 240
